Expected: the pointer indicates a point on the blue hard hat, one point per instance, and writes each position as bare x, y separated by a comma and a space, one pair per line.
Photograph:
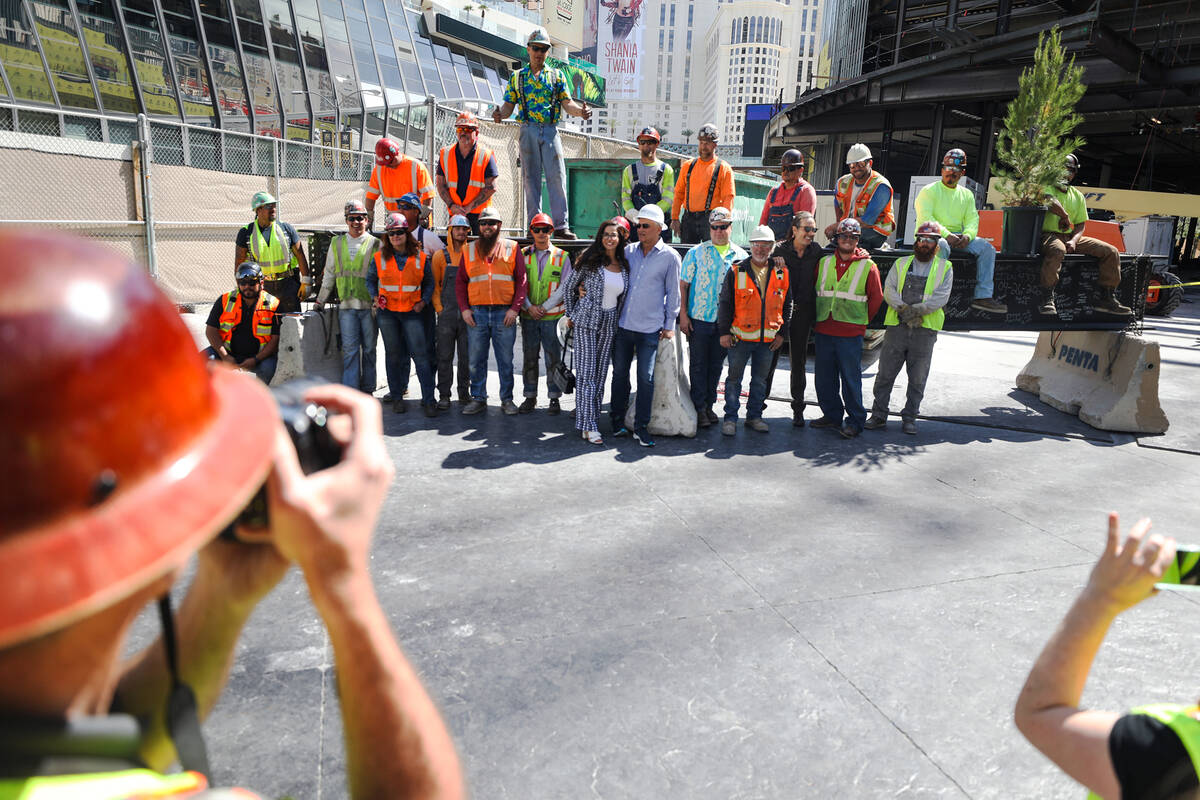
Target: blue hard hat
411, 198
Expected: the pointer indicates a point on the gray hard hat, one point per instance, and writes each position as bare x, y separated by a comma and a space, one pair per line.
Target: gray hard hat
248, 269
538, 36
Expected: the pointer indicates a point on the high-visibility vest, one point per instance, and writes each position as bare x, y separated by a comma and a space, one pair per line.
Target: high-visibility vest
117, 785
757, 317
542, 286
443, 260
349, 274
477, 180
264, 316
934, 319
885, 223
401, 286
1179, 719
846, 299
392, 183
273, 257
490, 280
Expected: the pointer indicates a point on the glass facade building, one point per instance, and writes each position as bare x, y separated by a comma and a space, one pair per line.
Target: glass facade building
301, 70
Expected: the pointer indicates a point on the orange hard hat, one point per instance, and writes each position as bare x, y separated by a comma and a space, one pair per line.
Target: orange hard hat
541, 218
466, 120
117, 472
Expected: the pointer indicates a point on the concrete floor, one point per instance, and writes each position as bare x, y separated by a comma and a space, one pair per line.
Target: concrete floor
787, 615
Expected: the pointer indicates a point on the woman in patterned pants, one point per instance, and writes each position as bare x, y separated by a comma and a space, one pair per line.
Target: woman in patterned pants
593, 297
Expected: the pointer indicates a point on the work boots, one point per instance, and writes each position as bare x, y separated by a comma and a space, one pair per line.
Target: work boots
1046, 305
1109, 304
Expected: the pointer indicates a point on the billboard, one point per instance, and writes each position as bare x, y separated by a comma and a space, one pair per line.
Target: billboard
564, 21
619, 47
584, 84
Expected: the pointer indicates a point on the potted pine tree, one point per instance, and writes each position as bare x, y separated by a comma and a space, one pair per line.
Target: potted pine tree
1038, 135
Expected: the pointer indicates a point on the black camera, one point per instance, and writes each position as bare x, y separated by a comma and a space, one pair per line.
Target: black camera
316, 449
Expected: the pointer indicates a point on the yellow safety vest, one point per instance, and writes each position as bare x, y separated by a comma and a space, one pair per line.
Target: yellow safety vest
349, 273
275, 257
934, 319
542, 286
845, 300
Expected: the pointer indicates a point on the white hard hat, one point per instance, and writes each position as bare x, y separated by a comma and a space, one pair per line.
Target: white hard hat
858, 152
459, 221
653, 213
762, 233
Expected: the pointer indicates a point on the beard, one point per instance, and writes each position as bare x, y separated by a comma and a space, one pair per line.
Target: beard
489, 239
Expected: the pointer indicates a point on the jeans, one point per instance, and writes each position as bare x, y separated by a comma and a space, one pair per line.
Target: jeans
541, 152
839, 359
985, 263
759, 355
627, 344
490, 329
705, 357
359, 332
539, 334
403, 338
871, 239
265, 371
427, 319
911, 349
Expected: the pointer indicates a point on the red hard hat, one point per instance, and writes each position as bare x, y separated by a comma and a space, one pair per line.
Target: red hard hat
387, 152
541, 218
620, 221
117, 472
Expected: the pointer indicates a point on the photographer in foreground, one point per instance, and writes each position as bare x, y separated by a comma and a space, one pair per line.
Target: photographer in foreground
1142, 754
120, 467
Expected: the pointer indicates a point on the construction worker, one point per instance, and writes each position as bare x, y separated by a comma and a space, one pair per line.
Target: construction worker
848, 295
415, 212
865, 195
701, 277
275, 247
756, 305
916, 291
348, 262
451, 331
790, 197
648, 180
113, 488
542, 94
707, 183
491, 287
547, 269
402, 286
466, 172
1062, 233
243, 326
393, 176
953, 208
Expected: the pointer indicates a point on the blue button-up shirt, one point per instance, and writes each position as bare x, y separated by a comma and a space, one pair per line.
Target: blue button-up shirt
652, 303
704, 269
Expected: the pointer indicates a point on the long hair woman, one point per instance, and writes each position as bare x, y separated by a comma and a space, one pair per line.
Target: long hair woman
594, 295
405, 286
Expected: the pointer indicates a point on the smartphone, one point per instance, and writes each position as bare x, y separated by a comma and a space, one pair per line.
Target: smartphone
1183, 574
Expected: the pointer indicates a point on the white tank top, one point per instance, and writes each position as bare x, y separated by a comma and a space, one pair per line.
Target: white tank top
613, 284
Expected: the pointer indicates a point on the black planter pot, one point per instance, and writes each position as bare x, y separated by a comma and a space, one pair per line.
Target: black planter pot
1022, 230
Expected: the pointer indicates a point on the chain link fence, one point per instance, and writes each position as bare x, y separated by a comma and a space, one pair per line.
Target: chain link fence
173, 195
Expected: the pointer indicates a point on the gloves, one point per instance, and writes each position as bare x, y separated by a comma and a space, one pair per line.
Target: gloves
910, 316
302, 292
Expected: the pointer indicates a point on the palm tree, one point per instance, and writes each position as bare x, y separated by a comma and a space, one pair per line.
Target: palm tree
687, 135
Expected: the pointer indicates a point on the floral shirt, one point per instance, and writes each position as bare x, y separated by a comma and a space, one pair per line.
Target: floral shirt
704, 269
543, 93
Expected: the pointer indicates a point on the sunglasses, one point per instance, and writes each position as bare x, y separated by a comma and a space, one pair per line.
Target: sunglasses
268, 206
649, 225
724, 227
848, 236
808, 229
357, 218
928, 239
247, 281
409, 207
489, 223
538, 48
402, 232
857, 164
461, 129
541, 229
793, 168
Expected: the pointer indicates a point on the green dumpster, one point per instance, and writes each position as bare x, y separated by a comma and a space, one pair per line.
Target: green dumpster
594, 195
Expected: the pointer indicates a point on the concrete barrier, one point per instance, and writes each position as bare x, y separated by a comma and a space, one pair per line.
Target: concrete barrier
672, 412
1110, 380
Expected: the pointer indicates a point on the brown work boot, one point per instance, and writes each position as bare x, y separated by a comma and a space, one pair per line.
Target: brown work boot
1109, 304
1046, 305
528, 405
564, 233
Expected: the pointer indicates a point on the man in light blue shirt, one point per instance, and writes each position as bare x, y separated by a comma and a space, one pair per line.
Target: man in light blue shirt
700, 280
647, 316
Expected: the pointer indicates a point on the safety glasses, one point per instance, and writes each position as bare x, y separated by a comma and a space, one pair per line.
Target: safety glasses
724, 227
357, 218
928, 239
464, 129
247, 281
541, 229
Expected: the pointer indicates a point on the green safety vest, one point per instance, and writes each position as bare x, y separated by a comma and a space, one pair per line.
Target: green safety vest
541, 287
349, 273
845, 300
274, 257
934, 319
1179, 719
105, 786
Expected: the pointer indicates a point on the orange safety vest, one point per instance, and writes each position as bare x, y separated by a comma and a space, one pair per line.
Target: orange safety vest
442, 259
490, 280
757, 318
395, 182
264, 316
477, 179
401, 288
885, 223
